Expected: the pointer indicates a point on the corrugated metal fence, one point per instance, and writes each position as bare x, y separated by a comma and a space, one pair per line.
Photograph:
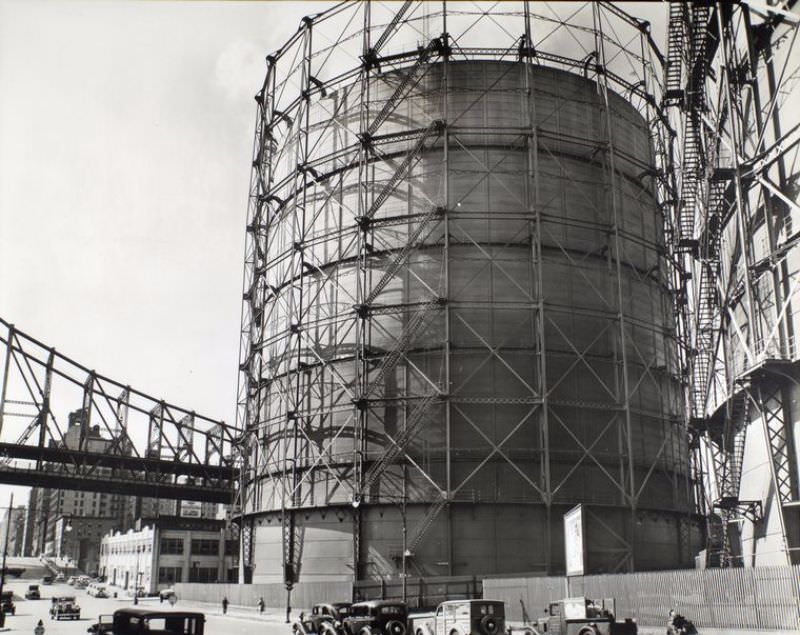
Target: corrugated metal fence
420, 592
753, 598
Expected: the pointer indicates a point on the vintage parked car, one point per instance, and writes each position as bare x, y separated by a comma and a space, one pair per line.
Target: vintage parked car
103, 625
582, 616
376, 617
48, 579
464, 617
65, 607
60, 577
7, 602
324, 618
33, 592
139, 621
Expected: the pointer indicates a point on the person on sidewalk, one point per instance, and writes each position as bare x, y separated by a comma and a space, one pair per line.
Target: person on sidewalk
224, 605
261, 605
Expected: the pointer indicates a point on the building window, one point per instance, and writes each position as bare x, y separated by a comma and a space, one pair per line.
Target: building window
205, 548
173, 546
169, 574
231, 547
203, 574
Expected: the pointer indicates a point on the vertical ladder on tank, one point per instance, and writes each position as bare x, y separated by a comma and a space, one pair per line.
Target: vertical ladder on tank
690, 181
430, 516
412, 327
411, 159
409, 80
705, 325
400, 443
673, 90
414, 241
707, 318
698, 64
731, 456
693, 156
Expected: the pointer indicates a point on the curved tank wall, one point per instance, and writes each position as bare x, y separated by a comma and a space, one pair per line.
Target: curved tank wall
529, 322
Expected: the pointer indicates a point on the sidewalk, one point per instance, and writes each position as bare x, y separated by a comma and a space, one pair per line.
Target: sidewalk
273, 615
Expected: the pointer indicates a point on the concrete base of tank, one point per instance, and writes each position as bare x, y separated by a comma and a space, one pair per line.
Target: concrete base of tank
471, 539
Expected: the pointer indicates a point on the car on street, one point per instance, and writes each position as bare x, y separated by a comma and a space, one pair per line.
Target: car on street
140, 621
33, 592
165, 594
325, 618
60, 577
103, 625
81, 583
378, 617
466, 617
48, 579
65, 607
576, 616
71, 580
7, 602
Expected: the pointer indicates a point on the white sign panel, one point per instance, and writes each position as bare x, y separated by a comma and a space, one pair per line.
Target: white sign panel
573, 541
191, 509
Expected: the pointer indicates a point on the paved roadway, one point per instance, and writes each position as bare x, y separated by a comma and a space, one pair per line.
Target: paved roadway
239, 621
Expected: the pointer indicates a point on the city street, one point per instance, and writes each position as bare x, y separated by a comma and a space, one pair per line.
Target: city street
29, 612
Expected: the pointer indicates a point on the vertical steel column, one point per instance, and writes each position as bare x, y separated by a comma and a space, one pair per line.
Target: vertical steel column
445, 293
534, 210
602, 83
773, 422
6, 367
360, 362
44, 411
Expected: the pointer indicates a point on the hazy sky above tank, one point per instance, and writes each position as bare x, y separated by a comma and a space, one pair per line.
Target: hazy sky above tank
125, 137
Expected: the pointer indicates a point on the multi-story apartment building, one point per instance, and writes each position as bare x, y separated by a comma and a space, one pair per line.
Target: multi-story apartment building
13, 522
68, 523
167, 550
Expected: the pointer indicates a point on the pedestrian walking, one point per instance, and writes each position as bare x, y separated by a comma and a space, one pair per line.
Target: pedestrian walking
224, 605
260, 605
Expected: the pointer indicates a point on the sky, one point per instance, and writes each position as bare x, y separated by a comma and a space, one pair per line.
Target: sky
125, 137
125, 146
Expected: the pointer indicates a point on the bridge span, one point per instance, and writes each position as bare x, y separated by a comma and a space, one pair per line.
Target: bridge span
65, 426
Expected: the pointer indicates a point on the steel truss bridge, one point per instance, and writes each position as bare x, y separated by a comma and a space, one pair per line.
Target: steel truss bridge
64, 426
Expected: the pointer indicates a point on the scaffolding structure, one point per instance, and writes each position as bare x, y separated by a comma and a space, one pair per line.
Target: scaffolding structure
732, 70
338, 389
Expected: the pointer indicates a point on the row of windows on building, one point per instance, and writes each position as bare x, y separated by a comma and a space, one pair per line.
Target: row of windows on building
175, 546
199, 547
170, 575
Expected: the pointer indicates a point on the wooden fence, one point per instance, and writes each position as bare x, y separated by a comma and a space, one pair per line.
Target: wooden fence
752, 598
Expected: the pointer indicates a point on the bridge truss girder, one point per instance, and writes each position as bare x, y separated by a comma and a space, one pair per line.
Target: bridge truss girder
63, 426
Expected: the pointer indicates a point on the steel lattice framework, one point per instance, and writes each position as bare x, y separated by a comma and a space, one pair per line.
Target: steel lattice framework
64, 426
732, 74
313, 396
